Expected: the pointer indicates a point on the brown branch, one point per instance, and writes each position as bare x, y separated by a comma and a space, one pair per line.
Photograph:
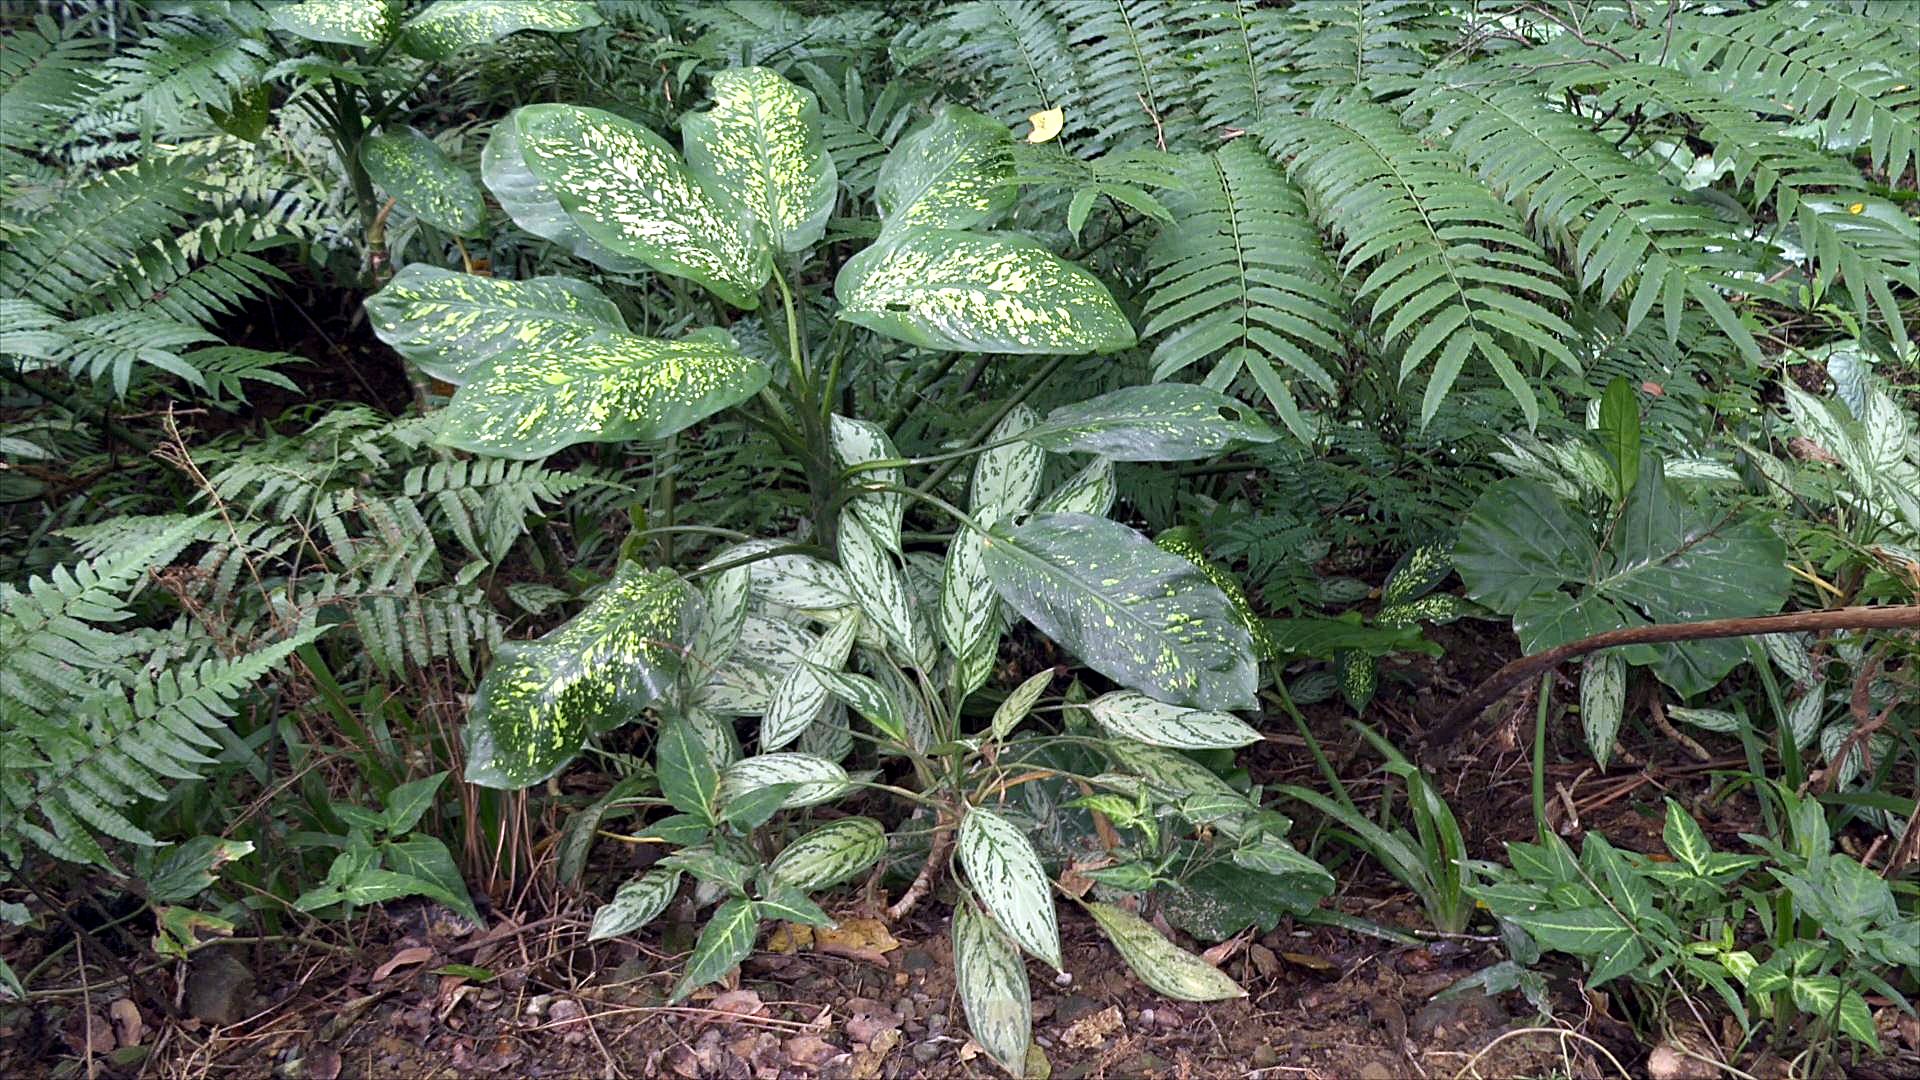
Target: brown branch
938, 847
1528, 667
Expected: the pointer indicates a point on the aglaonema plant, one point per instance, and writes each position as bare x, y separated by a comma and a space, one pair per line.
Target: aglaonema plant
806, 633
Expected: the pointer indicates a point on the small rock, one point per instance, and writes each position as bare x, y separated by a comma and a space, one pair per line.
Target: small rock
1265, 1056
865, 1028
1375, 1070
219, 988
1075, 1006
937, 1024
1146, 1017
1668, 1063
926, 1052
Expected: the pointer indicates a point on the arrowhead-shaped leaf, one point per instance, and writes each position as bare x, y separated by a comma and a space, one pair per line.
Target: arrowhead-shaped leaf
760, 144
342, 22
606, 389
952, 172
418, 175
452, 325
1163, 422
1006, 873
1141, 616
945, 289
450, 26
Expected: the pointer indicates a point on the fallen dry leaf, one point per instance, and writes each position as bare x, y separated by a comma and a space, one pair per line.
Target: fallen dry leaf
1091, 1030
744, 1003
857, 939
418, 954
810, 1051
127, 1025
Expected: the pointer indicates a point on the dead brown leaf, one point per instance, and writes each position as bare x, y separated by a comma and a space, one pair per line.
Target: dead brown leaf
810, 1051
745, 1003
127, 1025
1091, 1030
418, 954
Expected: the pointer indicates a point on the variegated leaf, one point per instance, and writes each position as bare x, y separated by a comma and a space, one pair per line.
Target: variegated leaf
801, 695
1178, 778
946, 289
449, 26
342, 22
452, 325
422, 179
817, 779
627, 191
829, 736
1019, 704
1006, 874
1006, 479
831, 854
1160, 963
795, 581
763, 654
969, 612
760, 144
1144, 618
532, 205
992, 980
622, 652
1603, 701
868, 698
856, 442
899, 687
1136, 716
635, 904
879, 587
726, 613
1162, 422
953, 172
1089, 491
606, 389
726, 940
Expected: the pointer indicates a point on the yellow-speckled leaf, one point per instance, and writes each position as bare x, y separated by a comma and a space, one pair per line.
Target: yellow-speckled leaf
449, 26
760, 144
628, 192
952, 172
342, 22
1160, 963
1162, 422
533, 206
945, 289
1144, 618
537, 705
608, 389
423, 180
992, 980
452, 325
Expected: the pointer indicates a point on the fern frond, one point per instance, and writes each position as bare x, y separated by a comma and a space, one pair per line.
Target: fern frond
1450, 274
85, 237
46, 74
859, 127
1239, 58
1372, 46
1131, 60
1016, 51
185, 63
196, 278
485, 502
111, 344
1239, 275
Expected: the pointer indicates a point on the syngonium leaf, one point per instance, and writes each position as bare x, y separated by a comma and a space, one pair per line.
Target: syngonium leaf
952, 172
626, 190
623, 651
1143, 617
452, 325
1525, 552
450, 26
421, 178
1162, 422
760, 144
341, 22
946, 289
609, 388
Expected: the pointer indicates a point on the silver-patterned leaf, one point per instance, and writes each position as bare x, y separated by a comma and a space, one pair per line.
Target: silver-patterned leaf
727, 593
992, 981
868, 698
919, 723
945, 289
856, 442
969, 612
713, 731
801, 696
1143, 617
449, 26
1603, 701
532, 205
816, 779
796, 581
1178, 778
1019, 704
1803, 717
760, 144
1160, 963
879, 586
1006, 479
606, 389
1136, 716
452, 325
726, 940
635, 904
422, 179
1162, 422
628, 191
829, 736
1089, 491
361, 23
831, 854
953, 172
1006, 874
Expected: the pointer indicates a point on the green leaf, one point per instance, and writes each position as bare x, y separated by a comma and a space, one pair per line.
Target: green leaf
427, 860
452, 325
187, 869
1019, 703
605, 389
1593, 931
1142, 617
1160, 963
1006, 479
783, 901
726, 940
1620, 434
969, 611
1603, 701
627, 191
992, 981
418, 175
688, 778
801, 696
1685, 841
815, 779
760, 144
868, 698
408, 802
879, 586
1006, 873
953, 172
540, 700
533, 206
449, 27
831, 854
341, 22
1136, 716
707, 864
945, 289
1179, 778
1163, 422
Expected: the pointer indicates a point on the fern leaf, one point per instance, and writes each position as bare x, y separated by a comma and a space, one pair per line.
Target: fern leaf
1135, 88
1240, 51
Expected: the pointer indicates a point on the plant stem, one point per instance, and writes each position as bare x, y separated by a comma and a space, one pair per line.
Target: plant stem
1540, 757
1046, 371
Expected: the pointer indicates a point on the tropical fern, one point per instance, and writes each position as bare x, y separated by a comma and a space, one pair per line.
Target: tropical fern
1135, 90
1375, 47
1016, 53
188, 62
1240, 59
45, 75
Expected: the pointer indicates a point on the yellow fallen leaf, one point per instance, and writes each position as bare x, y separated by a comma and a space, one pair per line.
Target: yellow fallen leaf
862, 934
790, 938
1047, 124
1856, 208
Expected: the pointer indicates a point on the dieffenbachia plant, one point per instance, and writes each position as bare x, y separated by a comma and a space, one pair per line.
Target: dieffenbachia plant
802, 637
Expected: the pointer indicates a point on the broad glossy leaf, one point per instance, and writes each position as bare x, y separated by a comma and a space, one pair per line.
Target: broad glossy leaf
1089, 491
537, 705
418, 175
1136, 716
788, 904
452, 325
952, 172
426, 860
945, 289
760, 144
856, 442
450, 26
1162, 422
1006, 479
1160, 963
606, 389
1143, 617
816, 778
1593, 931
726, 940
802, 695
341, 22
627, 190
992, 980
635, 904
1603, 701
533, 206
1006, 874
